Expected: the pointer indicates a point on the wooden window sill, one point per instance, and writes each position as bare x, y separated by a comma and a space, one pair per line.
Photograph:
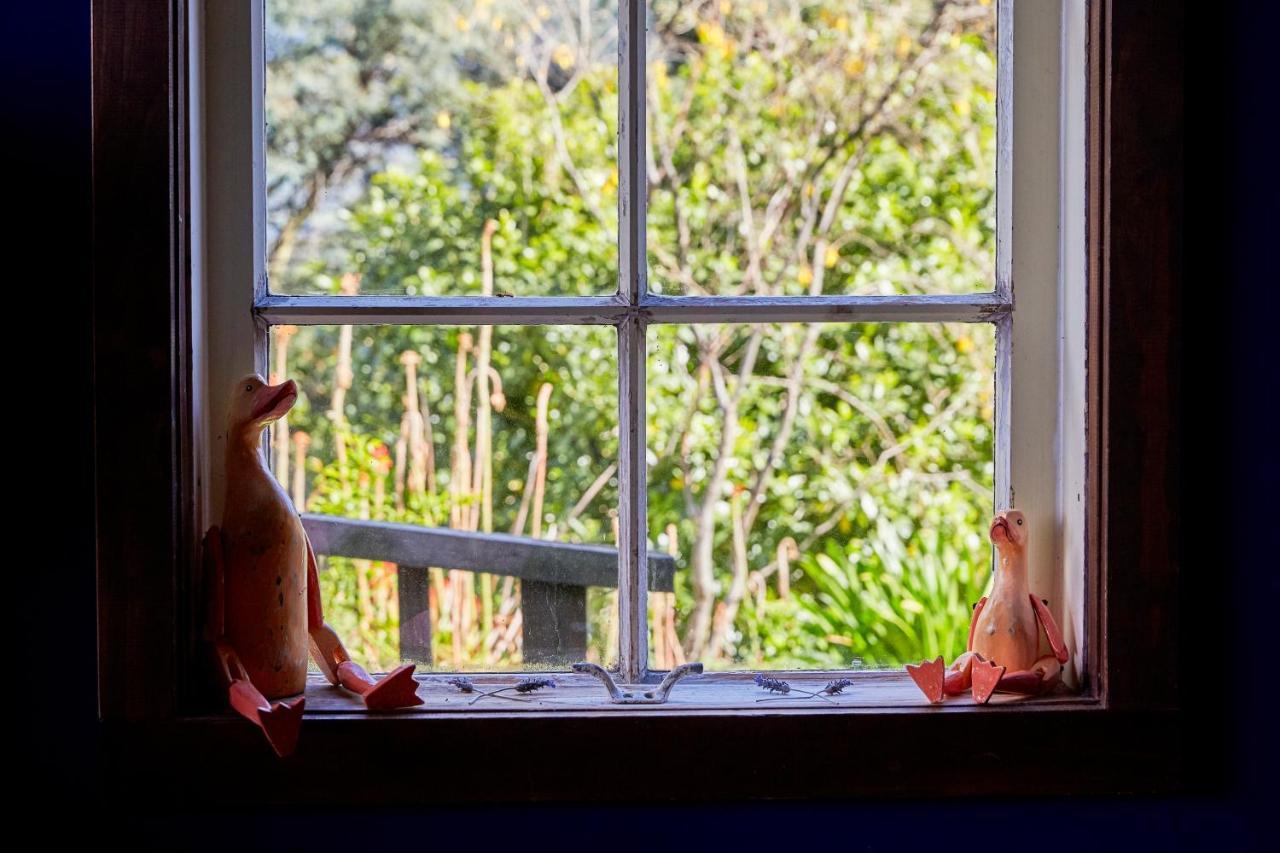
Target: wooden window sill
711, 742
710, 694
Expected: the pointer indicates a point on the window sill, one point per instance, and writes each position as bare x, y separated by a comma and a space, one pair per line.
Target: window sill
710, 694
880, 741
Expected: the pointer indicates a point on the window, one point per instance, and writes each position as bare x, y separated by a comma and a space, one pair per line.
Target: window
793, 206
162, 258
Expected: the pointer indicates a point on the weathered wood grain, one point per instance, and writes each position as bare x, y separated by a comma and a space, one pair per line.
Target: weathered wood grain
496, 553
708, 692
415, 614
141, 339
1140, 263
554, 622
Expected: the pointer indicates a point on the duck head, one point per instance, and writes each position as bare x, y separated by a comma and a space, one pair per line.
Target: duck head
255, 405
1009, 531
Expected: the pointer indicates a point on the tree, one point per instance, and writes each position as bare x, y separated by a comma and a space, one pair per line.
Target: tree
794, 147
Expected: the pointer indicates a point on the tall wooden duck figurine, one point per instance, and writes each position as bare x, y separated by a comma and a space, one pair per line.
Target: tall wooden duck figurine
1004, 635
264, 596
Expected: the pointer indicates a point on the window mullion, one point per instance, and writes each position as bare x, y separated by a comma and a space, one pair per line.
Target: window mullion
1004, 150
633, 559
632, 175
633, 567
1004, 256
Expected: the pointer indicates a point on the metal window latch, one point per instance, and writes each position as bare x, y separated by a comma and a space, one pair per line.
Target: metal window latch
638, 694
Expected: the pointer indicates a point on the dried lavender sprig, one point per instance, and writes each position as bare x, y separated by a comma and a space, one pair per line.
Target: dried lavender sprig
773, 685
525, 685
529, 685
466, 685
838, 686
776, 685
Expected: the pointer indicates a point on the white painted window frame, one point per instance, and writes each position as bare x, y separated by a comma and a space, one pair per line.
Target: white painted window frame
1038, 304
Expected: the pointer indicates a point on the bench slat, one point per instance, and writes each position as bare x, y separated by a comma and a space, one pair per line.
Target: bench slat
496, 553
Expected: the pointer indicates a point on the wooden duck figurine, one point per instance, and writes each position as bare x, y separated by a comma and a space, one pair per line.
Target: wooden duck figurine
1004, 634
264, 596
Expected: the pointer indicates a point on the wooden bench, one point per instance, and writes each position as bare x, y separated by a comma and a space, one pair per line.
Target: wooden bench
554, 577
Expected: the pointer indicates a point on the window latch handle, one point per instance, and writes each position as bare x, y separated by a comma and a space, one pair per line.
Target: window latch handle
637, 694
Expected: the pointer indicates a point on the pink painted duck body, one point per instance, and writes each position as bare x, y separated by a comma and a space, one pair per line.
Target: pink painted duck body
1004, 635
264, 596
265, 550
1006, 630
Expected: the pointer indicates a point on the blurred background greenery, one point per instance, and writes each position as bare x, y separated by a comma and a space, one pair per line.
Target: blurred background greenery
823, 488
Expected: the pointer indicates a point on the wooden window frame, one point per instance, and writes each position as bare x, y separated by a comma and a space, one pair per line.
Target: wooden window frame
154, 702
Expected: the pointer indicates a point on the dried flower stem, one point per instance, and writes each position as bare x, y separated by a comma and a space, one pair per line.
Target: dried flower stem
497, 693
775, 685
804, 693
527, 685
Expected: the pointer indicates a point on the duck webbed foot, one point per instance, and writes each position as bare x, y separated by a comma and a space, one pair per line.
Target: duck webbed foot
396, 689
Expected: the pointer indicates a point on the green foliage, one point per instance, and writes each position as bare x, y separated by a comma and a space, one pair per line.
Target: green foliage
897, 597
419, 232
780, 107
815, 147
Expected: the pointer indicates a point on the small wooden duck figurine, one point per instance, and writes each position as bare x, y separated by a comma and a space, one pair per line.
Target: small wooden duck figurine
264, 596
1004, 635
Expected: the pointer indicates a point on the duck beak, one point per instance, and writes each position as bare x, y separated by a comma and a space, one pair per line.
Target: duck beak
1000, 524
274, 400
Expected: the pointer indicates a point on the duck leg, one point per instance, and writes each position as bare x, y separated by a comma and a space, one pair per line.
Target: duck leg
1042, 676
937, 681
279, 721
396, 690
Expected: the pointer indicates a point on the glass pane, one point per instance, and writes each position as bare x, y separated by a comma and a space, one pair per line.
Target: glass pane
405, 424
822, 146
824, 488
398, 134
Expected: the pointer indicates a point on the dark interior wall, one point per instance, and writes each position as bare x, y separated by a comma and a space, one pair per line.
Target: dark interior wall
1228, 474
47, 462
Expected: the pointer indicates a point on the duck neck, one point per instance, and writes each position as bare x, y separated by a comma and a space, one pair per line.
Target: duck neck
244, 456
1010, 573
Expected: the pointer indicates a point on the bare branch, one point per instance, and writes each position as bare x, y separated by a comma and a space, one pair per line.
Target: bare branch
703, 571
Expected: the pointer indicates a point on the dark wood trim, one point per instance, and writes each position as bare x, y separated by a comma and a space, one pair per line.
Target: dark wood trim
609, 757
1094, 669
141, 354
1134, 741
1139, 261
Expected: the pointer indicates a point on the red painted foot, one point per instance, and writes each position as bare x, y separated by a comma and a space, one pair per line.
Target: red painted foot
929, 676
281, 725
279, 721
396, 690
986, 676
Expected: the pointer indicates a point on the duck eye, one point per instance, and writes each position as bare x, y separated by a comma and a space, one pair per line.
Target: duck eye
248, 387
1019, 522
